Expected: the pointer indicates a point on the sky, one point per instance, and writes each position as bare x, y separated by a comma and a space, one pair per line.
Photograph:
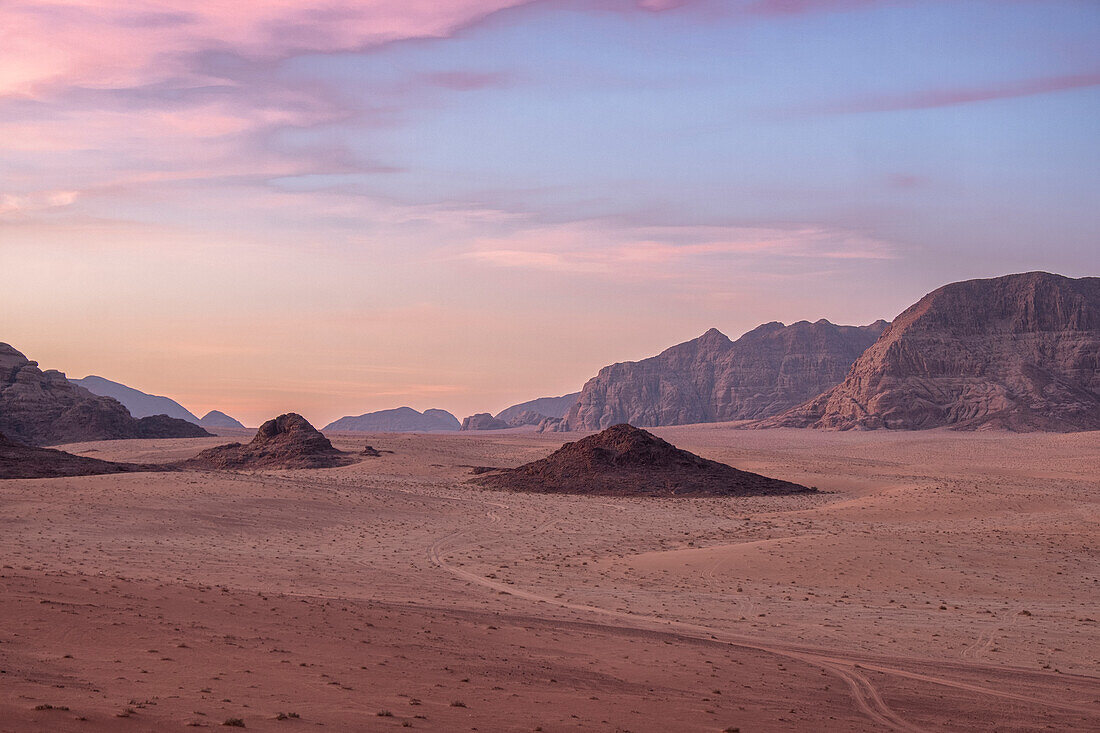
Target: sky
333, 207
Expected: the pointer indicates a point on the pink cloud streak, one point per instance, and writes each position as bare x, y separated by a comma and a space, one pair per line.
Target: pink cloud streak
933, 98
653, 253
105, 44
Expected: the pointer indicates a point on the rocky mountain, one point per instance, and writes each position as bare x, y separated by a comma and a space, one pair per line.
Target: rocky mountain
1020, 352
137, 402
627, 461
218, 419
23, 461
43, 408
545, 406
398, 420
288, 441
712, 379
483, 421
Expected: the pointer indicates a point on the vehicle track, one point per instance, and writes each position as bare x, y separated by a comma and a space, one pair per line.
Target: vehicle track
864, 693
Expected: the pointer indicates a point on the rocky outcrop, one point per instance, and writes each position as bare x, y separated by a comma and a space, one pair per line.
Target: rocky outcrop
545, 406
627, 461
162, 426
1020, 352
138, 403
44, 408
23, 461
218, 419
398, 420
525, 418
713, 379
553, 425
288, 441
484, 421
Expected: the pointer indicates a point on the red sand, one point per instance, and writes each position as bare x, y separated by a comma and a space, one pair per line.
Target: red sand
947, 582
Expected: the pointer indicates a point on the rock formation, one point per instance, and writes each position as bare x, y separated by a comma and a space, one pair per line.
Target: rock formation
483, 421
1020, 352
712, 379
288, 441
43, 408
627, 461
23, 461
553, 425
137, 402
545, 406
398, 420
162, 426
525, 417
218, 419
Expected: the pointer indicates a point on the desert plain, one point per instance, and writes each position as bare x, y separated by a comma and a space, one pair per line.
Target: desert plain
939, 581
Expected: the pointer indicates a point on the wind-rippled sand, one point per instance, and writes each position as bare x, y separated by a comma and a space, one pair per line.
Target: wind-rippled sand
943, 581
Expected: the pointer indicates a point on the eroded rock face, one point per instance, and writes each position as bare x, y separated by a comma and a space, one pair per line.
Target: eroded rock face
525, 417
23, 461
1020, 352
44, 408
713, 379
288, 441
627, 461
484, 421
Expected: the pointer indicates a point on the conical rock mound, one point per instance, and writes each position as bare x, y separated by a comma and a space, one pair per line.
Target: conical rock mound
626, 461
288, 441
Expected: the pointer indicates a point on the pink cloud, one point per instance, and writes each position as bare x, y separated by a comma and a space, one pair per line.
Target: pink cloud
105, 44
658, 252
932, 98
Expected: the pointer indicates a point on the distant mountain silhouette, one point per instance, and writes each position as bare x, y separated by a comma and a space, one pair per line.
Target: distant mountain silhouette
545, 406
137, 402
218, 419
712, 379
397, 420
1020, 352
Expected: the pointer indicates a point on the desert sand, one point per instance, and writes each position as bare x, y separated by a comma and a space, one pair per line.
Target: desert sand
939, 581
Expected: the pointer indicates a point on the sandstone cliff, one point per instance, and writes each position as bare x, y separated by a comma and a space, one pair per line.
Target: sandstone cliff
483, 421
712, 379
43, 407
1020, 352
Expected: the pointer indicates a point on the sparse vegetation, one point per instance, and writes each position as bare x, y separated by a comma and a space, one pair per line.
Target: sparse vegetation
233, 723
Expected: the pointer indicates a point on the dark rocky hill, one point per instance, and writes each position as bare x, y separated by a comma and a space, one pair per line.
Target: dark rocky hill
627, 461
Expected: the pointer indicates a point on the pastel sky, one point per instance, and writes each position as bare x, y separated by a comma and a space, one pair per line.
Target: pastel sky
337, 206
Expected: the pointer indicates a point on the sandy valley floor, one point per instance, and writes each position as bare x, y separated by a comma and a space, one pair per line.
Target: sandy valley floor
942, 581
